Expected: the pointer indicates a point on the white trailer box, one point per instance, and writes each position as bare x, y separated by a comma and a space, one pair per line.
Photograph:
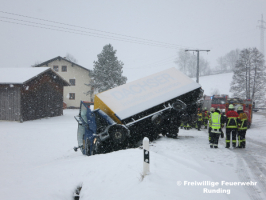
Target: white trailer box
132, 98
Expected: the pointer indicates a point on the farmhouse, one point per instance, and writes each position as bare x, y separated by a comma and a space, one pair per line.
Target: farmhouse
76, 75
30, 93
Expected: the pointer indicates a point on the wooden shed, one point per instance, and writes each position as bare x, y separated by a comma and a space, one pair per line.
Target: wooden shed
30, 93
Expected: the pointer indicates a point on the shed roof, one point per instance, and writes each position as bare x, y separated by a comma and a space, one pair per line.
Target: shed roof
23, 75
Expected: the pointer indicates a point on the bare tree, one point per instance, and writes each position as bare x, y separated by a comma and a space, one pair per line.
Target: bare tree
215, 91
187, 63
249, 79
36, 63
231, 59
182, 60
222, 63
71, 58
228, 62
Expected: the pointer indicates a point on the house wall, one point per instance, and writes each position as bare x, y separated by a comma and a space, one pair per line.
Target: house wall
10, 102
42, 97
80, 75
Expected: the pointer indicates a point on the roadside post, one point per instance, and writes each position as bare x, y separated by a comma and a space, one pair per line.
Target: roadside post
146, 157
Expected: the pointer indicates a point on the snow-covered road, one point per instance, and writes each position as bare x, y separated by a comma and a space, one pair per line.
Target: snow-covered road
38, 162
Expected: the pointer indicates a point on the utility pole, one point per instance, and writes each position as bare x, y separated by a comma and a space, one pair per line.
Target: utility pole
262, 27
197, 61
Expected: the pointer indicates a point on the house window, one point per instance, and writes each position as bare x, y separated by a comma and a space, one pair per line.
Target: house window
72, 82
64, 68
71, 96
55, 68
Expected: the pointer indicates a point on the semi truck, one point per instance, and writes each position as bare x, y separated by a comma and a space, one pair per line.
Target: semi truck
147, 107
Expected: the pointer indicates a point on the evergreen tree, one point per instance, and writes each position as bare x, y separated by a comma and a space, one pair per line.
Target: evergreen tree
249, 79
107, 71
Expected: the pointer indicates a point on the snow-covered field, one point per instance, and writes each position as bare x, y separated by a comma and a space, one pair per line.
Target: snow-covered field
38, 162
219, 82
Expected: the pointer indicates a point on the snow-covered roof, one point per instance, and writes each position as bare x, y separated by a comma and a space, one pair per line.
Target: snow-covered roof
137, 96
20, 75
60, 58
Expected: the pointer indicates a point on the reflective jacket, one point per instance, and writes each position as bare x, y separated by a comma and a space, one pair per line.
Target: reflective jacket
199, 116
206, 115
216, 122
242, 121
210, 121
232, 117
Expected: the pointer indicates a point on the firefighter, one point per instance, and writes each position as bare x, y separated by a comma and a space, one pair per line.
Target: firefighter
205, 117
242, 127
182, 125
210, 125
199, 120
223, 121
215, 128
188, 125
231, 126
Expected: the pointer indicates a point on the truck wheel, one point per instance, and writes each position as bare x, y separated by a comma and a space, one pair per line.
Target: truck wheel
118, 133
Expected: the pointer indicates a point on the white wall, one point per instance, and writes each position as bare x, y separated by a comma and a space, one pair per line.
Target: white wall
73, 72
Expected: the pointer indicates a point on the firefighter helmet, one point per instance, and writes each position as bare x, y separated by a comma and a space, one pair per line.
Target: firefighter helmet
212, 109
231, 106
240, 108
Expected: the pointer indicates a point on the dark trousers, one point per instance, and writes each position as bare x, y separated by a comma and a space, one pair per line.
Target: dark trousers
214, 139
228, 134
199, 124
205, 122
210, 128
242, 138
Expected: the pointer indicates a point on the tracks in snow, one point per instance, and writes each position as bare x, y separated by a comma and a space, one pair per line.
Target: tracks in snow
251, 164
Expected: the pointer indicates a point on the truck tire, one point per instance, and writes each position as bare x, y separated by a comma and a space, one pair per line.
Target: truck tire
118, 133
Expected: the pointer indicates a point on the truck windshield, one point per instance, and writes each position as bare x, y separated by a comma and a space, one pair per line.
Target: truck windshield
218, 101
83, 112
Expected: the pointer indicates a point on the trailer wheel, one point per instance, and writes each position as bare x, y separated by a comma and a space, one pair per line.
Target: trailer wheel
118, 133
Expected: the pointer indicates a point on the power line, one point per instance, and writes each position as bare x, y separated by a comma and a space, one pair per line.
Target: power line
90, 34
162, 43
112, 37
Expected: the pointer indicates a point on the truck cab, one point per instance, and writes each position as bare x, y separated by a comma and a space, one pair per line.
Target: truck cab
94, 128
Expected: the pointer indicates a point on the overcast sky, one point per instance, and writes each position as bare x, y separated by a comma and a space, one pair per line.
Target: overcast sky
157, 29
